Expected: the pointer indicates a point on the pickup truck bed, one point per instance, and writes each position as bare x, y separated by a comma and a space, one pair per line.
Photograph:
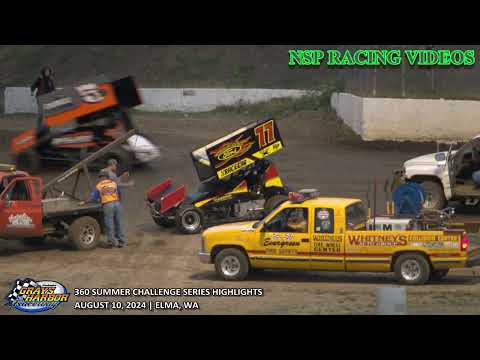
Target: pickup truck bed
58, 207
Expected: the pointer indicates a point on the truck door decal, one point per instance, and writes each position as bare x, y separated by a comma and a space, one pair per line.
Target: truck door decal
20, 221
285, 239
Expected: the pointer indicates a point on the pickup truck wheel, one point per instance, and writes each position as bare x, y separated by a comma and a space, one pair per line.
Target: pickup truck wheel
84, 233
189, 220
232, 265
412, 269
437, 275
434, 196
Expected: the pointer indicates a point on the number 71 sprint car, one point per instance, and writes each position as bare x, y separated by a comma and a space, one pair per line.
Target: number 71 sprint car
238, 182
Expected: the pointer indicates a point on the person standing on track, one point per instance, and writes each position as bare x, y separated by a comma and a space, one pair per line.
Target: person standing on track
44, 84
108, 193
112, 170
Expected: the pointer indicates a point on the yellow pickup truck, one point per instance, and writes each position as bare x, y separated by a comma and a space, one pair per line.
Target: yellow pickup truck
330, 234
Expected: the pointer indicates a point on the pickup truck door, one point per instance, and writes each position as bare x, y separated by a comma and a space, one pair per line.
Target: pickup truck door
285, 241
327, 241
21, 209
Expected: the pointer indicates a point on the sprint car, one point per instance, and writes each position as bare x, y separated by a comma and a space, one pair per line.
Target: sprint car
238, 182
78, 121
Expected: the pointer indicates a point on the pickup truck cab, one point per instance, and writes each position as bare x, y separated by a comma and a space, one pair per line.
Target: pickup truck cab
329, 234
24, 214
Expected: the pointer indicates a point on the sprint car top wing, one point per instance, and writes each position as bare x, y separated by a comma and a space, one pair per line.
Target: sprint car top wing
243, 147
71, 103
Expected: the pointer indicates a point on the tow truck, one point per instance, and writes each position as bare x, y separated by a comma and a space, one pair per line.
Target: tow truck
32, 211
310, 232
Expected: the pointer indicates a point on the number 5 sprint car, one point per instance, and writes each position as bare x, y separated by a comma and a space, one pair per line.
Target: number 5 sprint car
78, 121
238, 182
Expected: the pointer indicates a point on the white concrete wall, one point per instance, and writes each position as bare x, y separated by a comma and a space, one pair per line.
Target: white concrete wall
18, 100
198, 100
350, 109
409, 119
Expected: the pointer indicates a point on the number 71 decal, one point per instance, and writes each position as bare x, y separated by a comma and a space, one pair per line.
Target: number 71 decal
265, 134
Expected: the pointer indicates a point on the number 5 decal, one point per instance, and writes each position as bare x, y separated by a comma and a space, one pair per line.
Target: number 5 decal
91, 93
265, 134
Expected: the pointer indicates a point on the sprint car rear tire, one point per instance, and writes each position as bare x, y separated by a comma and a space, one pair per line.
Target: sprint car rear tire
273, 202
232, 264
190, 220
412, 269
84, 233
28, 161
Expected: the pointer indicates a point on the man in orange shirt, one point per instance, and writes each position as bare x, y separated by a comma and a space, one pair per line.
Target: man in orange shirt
108, 193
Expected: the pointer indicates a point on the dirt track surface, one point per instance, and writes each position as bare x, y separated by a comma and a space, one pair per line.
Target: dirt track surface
159, 258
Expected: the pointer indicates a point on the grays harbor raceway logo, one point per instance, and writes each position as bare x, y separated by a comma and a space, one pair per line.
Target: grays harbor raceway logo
20, 221
30, 296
